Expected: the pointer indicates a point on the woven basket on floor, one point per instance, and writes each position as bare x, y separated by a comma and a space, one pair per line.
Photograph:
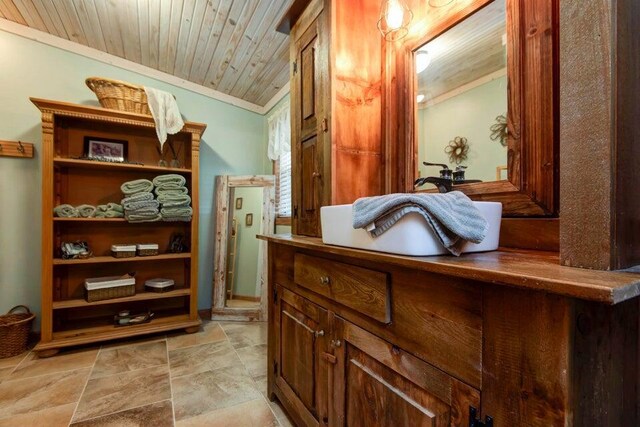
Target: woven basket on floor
119, 95
14, 331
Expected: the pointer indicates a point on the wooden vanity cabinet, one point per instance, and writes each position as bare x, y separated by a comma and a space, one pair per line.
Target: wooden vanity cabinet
361, 338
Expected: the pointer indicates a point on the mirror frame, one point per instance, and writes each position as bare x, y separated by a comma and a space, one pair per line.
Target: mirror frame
224, 183
532, 187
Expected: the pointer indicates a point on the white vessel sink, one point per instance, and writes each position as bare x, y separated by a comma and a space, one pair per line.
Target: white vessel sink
409, 236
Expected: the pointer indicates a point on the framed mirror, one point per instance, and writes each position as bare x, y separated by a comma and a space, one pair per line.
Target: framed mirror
475, 83
245, 208
461, 98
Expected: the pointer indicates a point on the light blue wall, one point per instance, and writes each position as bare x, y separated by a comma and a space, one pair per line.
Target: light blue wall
234, 144
469, 115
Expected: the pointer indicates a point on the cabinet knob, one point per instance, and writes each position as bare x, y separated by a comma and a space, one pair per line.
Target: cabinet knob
325, 280
319, 333
316, 175
336, 343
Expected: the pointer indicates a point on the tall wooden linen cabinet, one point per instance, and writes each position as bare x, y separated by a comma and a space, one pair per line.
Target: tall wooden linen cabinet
336, 107
67, 318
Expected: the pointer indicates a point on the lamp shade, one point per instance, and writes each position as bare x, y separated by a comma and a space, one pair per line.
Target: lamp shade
395, 17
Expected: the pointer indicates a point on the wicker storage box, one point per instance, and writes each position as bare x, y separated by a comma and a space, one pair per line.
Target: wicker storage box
148, 249
159, 285
119, 95
14, 331
123, 251
102, 288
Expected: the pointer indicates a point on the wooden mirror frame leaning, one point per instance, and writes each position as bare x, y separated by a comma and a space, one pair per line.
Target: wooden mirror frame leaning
224, 183
533, 105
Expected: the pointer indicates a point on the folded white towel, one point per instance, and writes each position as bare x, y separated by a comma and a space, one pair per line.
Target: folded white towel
165, 112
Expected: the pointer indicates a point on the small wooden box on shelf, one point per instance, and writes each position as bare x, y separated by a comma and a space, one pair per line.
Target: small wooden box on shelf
67, 318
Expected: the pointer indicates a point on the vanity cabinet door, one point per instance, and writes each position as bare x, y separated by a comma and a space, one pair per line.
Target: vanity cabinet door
308, 127
375, 383
299, 372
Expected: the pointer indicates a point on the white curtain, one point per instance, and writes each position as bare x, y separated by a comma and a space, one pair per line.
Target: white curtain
279, 132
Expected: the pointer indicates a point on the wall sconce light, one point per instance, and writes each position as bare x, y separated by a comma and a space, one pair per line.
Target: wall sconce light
420, 98
395, 17
423, 59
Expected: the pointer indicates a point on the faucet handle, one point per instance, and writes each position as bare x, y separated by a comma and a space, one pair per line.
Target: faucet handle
443, 166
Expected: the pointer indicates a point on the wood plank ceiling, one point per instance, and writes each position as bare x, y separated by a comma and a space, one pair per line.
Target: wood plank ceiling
227, 45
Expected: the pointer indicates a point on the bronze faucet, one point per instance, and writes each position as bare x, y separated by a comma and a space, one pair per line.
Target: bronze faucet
447, 178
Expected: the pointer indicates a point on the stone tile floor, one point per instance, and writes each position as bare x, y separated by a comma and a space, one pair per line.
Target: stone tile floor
215, 377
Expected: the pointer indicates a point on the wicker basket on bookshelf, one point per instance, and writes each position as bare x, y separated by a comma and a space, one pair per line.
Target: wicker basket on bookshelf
119, 95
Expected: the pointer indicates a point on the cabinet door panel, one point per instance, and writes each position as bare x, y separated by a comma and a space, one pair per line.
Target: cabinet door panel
300, 339
375, 383
298, 368
310, 56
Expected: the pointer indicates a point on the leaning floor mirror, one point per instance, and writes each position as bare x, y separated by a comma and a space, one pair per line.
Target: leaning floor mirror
245, 209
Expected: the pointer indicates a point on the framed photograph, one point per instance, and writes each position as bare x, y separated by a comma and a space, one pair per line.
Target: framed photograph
239, 203
248, 220
113, 150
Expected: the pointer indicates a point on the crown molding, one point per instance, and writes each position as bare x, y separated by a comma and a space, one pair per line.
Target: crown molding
107, 58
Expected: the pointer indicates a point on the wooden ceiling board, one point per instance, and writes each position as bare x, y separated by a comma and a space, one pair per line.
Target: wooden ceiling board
227, 45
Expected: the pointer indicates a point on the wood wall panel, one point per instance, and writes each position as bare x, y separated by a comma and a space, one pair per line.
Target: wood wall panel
599, 227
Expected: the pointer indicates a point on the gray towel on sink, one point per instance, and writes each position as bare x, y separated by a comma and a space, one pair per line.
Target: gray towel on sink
452, 216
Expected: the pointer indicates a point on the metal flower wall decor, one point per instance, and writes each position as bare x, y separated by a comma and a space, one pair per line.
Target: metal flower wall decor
457, 150
499, 131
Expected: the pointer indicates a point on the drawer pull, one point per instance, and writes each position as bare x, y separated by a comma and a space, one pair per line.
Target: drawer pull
319, 333
336, 343
325, 280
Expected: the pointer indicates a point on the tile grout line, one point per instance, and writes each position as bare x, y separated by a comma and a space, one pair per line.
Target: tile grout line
122, 410
85, 385
173, 406
264, 398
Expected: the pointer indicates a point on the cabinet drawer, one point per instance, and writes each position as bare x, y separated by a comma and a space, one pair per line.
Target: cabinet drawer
361, 289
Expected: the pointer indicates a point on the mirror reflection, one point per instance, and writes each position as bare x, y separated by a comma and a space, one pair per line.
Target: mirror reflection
243, 248
462, 98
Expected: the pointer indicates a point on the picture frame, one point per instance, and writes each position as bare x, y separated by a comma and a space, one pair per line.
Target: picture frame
248, 220
239, 203
105, 149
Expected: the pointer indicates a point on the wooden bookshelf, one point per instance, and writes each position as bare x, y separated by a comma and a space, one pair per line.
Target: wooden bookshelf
67, 318
108, 259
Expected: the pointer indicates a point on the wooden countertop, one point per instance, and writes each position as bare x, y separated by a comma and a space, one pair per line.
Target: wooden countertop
524, 269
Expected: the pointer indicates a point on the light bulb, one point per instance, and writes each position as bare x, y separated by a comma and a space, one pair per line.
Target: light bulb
420, 98
423, 59
395, 15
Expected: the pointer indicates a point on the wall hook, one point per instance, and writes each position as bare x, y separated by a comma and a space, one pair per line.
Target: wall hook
20, 147
16, 149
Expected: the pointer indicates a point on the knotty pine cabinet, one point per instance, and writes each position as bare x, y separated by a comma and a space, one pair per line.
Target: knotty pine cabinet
336, 112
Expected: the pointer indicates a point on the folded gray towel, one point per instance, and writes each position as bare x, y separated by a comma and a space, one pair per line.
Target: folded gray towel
66, 211
140, 197
109, 214
86, 211
137, 186
171, 189
452, 216
109, 207
169, 179
182, 211
173, 200
143, 204
143, 218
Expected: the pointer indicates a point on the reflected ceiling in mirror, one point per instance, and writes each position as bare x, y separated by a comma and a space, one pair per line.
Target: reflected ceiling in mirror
462, 97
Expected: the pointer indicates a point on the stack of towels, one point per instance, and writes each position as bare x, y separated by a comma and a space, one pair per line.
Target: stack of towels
110, 210
173, 196
138, 203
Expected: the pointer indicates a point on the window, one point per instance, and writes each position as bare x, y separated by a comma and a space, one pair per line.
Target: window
280, 153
